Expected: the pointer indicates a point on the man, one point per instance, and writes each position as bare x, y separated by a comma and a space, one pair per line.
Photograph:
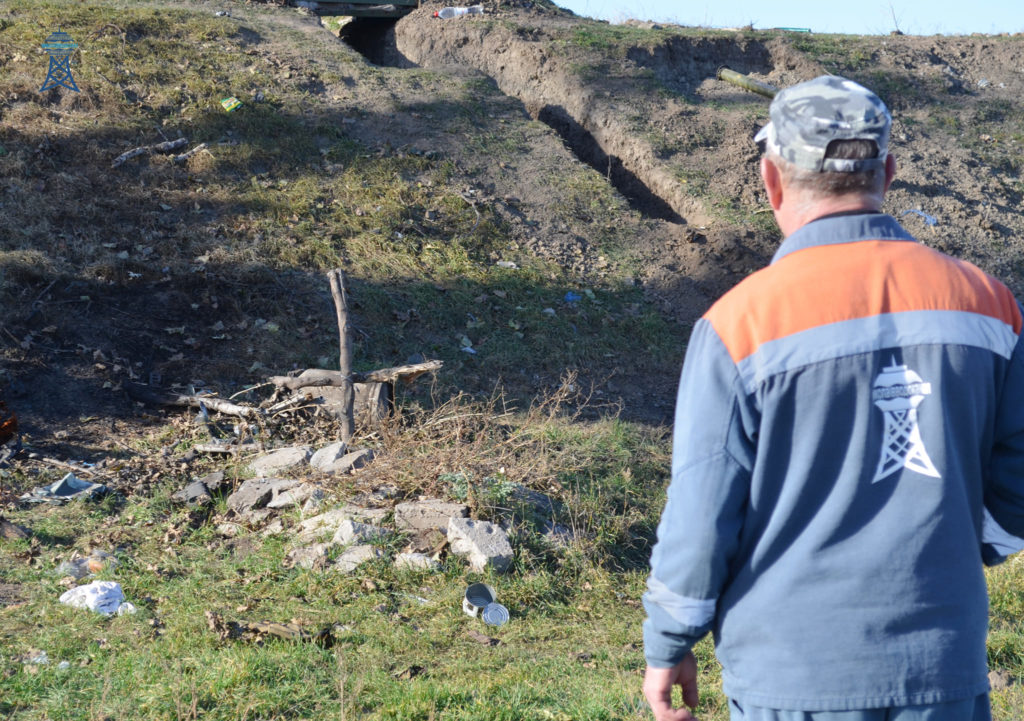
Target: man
849, 445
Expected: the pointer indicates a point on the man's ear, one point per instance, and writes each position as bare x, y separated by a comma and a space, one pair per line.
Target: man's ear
772, 179
890, 171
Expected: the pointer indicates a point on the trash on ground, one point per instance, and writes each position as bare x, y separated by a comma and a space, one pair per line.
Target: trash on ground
92, 564
571, 297
38, 658
231, 104
259, 631
67, 488
506, 264
104, 597
454, 12
476, 597
494, 614
929, 219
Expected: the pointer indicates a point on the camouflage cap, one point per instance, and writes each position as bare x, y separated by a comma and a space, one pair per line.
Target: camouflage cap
805, 118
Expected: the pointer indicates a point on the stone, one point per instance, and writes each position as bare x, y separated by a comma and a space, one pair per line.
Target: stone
558, 536
280, 461
353, 557
274, 527
427, 514
194, 495
314, 504
327, 524
294, 496
215, 482
328, 455
314, 556
350, 531
417, 561
257, 492
349, 462
1000, 680
483, 544
229, 530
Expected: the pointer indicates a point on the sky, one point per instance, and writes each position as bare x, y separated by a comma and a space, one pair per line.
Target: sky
859, 17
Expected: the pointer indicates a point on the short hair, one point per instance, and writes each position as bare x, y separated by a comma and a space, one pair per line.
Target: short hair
836, 183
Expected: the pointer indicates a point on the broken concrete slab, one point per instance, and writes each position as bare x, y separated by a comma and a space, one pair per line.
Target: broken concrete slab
484, 544
257, 492
328, 455
355, 556
416, 561
280, 461
349, 462
216, 482
194, 495
285, 498
350, 531
427, 514
327, 523
313, 556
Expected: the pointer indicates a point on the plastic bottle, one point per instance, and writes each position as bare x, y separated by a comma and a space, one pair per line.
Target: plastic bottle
454, 12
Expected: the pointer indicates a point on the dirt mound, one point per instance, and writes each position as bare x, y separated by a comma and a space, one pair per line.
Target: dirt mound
611, 151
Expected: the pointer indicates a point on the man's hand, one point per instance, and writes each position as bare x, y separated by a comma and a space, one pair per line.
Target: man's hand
658, 683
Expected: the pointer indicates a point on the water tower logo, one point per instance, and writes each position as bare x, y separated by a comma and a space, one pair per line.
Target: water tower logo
60, 46
897, 392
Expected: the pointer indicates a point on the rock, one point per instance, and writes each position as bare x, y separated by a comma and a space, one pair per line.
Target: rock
280, 461
229, 530
559, 536
327, 455
294, 496
349, 531
274, 528
327, 524
349, 462
257, 492
351, 559
428, 513
194, 495
420, 561
1000, 680
314, 504
215, 482
10, 531
314, 556
428, 541
481, 542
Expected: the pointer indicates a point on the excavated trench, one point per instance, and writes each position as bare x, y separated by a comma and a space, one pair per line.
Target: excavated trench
378, 41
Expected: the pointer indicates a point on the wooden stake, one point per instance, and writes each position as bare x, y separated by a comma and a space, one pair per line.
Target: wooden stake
345, 358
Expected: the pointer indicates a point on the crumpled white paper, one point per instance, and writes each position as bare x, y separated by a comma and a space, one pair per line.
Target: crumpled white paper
104, 597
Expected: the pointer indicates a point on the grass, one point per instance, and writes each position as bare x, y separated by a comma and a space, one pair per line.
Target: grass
287, 190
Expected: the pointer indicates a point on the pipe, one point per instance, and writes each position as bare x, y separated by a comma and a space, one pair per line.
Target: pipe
747, 83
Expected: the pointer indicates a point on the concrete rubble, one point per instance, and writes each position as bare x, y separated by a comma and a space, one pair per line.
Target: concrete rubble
484, 544
353, 557
281, 460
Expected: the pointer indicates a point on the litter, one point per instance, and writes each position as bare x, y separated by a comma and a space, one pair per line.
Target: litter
231, 104
929, 219
103, 597
479, 600
506, 264
67, 488
95, 562
571, 297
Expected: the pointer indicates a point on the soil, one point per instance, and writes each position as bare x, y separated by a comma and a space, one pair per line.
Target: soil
646, 111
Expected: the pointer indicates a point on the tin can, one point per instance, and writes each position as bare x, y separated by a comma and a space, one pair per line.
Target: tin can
476, 598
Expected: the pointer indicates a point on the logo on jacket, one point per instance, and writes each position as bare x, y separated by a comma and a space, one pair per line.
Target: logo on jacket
897, 392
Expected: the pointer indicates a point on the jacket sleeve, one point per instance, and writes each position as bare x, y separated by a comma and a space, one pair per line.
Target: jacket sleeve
712, 457
1003, 529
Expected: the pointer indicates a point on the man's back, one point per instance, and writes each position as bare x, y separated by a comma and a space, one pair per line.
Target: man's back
872, 371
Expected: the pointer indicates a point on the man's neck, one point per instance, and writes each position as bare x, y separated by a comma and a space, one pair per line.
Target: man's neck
798, 214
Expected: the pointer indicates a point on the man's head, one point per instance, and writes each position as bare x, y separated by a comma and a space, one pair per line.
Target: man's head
828, 140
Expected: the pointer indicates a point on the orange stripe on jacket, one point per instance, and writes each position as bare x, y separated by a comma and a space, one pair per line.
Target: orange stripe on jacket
832, 283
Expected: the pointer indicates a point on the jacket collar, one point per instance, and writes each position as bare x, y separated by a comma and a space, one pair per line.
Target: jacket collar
843, 228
